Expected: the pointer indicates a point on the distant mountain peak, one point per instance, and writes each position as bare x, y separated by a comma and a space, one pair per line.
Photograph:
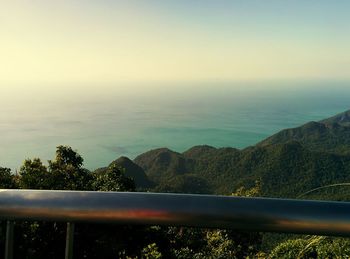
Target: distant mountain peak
330, 135
285, 164
157, 163
132, 170
198, 151
341, 118
124, 159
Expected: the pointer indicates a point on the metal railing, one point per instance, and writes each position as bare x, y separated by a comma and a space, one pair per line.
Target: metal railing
209, 211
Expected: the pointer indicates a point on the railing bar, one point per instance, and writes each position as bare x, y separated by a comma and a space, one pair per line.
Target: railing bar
9, 239
249, 214
69, 240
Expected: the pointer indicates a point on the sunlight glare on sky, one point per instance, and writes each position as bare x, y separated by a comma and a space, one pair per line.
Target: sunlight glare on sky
84, 41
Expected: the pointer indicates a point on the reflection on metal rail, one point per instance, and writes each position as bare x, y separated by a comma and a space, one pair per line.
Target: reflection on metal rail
250, 214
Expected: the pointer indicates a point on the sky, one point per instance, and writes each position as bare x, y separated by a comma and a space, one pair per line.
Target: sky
108, 41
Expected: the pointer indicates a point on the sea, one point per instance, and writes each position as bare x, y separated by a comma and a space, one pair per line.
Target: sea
104, 122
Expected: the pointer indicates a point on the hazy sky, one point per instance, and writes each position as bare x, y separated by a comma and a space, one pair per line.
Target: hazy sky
85, 41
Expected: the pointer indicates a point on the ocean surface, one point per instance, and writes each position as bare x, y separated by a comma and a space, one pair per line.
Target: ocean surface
103, 123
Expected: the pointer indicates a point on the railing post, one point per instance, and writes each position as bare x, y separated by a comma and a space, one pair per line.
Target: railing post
69, 240
9, 239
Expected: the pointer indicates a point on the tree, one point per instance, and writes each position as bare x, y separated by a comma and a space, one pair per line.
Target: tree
67, 172
151, 252
7, 180
33, 175
66, 156
113, 179
312, 247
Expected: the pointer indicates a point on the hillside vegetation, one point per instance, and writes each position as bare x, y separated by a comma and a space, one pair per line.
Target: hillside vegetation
287, 164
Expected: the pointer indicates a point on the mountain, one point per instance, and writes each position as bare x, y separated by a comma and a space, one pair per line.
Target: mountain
162, 163
286, 164
132, 170
282, 170
330, 135
341, 118
198, 152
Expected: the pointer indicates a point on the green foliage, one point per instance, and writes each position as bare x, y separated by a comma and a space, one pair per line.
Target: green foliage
188, 183
290, 166
313, 247
296, 160
187, 253
151, 252
291, 249
287, 164
34, 175
66, 156
66, 171
161, 164
216, 244
329, 135
254, 191
113, 179
220, 246
132, 171
7, 180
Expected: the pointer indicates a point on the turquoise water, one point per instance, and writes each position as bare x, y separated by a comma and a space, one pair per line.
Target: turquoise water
103, 125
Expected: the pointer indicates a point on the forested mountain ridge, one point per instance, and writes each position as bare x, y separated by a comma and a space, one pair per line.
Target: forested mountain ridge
328, 135
341, 118
281, 166
162, 163
283, 170
133, 171
285, 164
